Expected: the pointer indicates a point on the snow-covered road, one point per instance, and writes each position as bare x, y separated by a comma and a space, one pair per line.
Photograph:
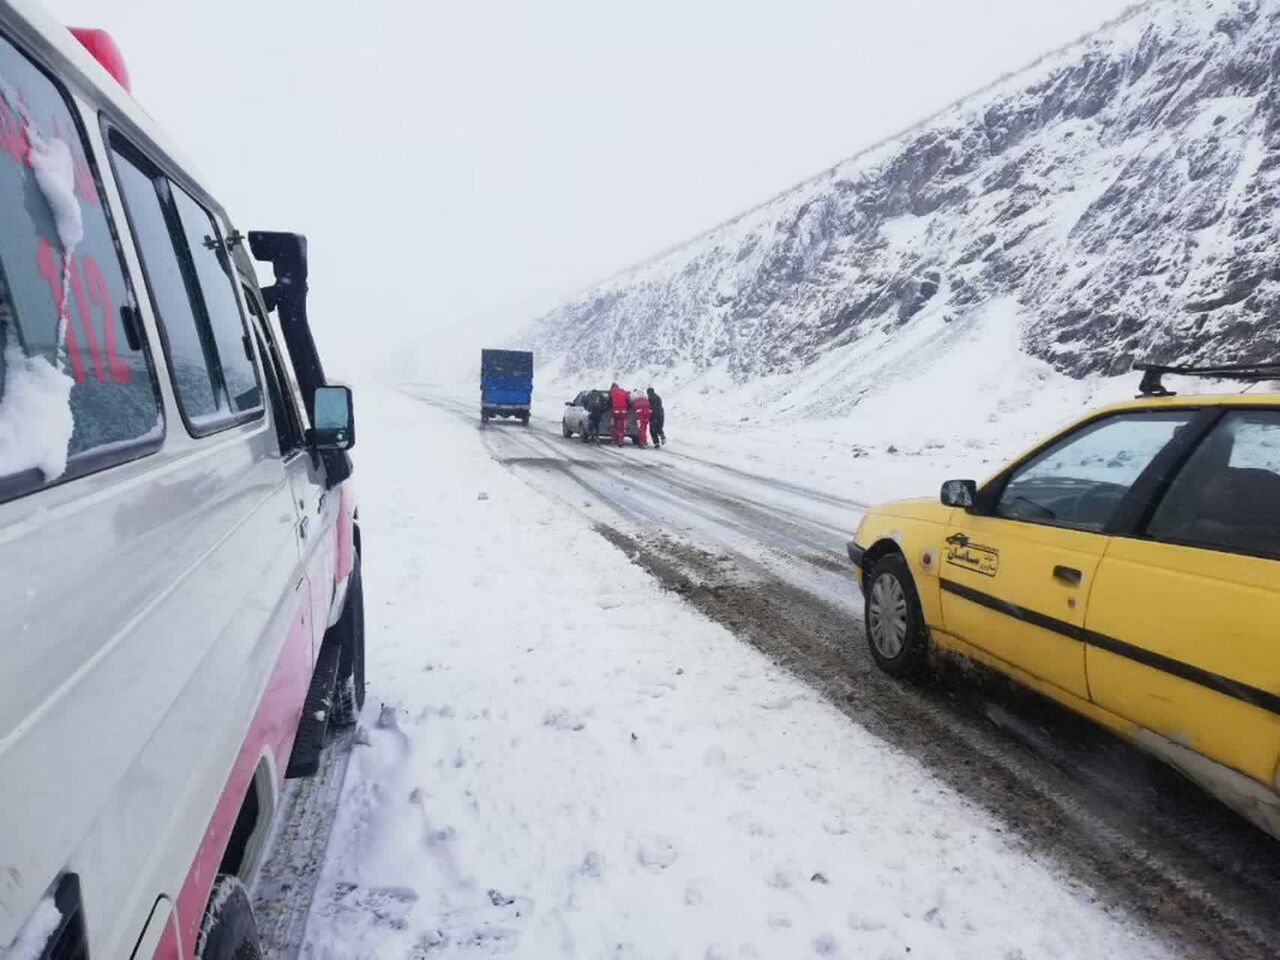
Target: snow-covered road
754, 538
564, 759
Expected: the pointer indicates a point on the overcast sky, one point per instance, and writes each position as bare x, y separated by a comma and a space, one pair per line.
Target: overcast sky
465, 159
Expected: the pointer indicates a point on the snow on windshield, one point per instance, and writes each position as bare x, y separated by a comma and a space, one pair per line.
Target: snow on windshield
54, 168
36, 423
35, 934
35, 414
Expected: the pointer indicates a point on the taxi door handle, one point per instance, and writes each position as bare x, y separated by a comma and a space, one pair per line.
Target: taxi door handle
1068, 575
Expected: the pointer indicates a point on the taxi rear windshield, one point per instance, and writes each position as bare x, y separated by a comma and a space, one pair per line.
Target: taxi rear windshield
77, 390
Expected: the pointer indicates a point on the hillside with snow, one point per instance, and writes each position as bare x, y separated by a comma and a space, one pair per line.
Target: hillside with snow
1116, 201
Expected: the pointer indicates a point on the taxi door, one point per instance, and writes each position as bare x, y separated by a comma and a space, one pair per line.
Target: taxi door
1016, 576
1182, 623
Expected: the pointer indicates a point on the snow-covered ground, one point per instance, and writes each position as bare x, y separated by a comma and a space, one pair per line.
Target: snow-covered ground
562, 760
889, 416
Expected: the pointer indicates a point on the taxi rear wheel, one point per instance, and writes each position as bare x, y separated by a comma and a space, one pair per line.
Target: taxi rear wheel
896, 632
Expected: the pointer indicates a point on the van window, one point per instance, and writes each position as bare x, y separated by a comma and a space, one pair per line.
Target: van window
284, 413
77, 388
217, 284
190, 352
187, 271
1227, 497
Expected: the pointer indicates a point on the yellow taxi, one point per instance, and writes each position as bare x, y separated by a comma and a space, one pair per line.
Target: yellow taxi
1128, 567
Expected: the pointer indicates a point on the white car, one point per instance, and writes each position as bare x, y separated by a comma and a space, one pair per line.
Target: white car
573, 422
180, 602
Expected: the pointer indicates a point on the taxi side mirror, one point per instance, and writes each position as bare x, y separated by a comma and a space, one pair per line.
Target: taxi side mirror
960, 493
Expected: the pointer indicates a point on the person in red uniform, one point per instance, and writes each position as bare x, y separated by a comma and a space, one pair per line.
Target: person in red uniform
618, 398
640, 401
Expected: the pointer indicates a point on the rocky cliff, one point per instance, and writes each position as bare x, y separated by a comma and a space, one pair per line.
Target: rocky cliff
1122, 193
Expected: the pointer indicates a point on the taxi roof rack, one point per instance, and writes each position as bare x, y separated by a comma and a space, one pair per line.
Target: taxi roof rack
1152, 374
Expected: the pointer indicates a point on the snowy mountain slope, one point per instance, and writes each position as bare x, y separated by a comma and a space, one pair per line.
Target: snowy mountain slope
1120, 196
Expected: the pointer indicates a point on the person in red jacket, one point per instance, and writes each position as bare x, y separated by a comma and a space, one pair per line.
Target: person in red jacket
618, 398
640, 401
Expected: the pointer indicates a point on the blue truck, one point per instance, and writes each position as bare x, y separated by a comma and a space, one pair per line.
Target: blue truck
506, 384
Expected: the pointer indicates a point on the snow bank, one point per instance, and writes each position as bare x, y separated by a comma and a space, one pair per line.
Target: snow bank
552, 769
35, 415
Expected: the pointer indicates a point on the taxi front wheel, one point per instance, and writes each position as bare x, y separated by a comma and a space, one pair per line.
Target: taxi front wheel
896, 632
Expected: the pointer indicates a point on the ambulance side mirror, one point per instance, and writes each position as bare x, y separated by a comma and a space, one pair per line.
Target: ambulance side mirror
335, 419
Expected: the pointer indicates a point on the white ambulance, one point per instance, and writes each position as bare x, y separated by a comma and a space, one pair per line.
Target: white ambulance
180, 603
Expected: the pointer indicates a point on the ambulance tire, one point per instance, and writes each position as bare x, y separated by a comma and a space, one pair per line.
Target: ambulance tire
228, 930
348, 695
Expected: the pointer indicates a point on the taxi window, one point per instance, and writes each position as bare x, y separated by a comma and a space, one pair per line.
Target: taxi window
1255, 441
1080, 481
1227, 497
77, 388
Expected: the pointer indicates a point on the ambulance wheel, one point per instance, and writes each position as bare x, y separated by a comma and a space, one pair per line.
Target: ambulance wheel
228, 931
348, 694
896, 632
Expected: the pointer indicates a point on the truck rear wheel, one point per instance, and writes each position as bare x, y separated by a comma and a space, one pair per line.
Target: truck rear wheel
348, 694
228, 930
